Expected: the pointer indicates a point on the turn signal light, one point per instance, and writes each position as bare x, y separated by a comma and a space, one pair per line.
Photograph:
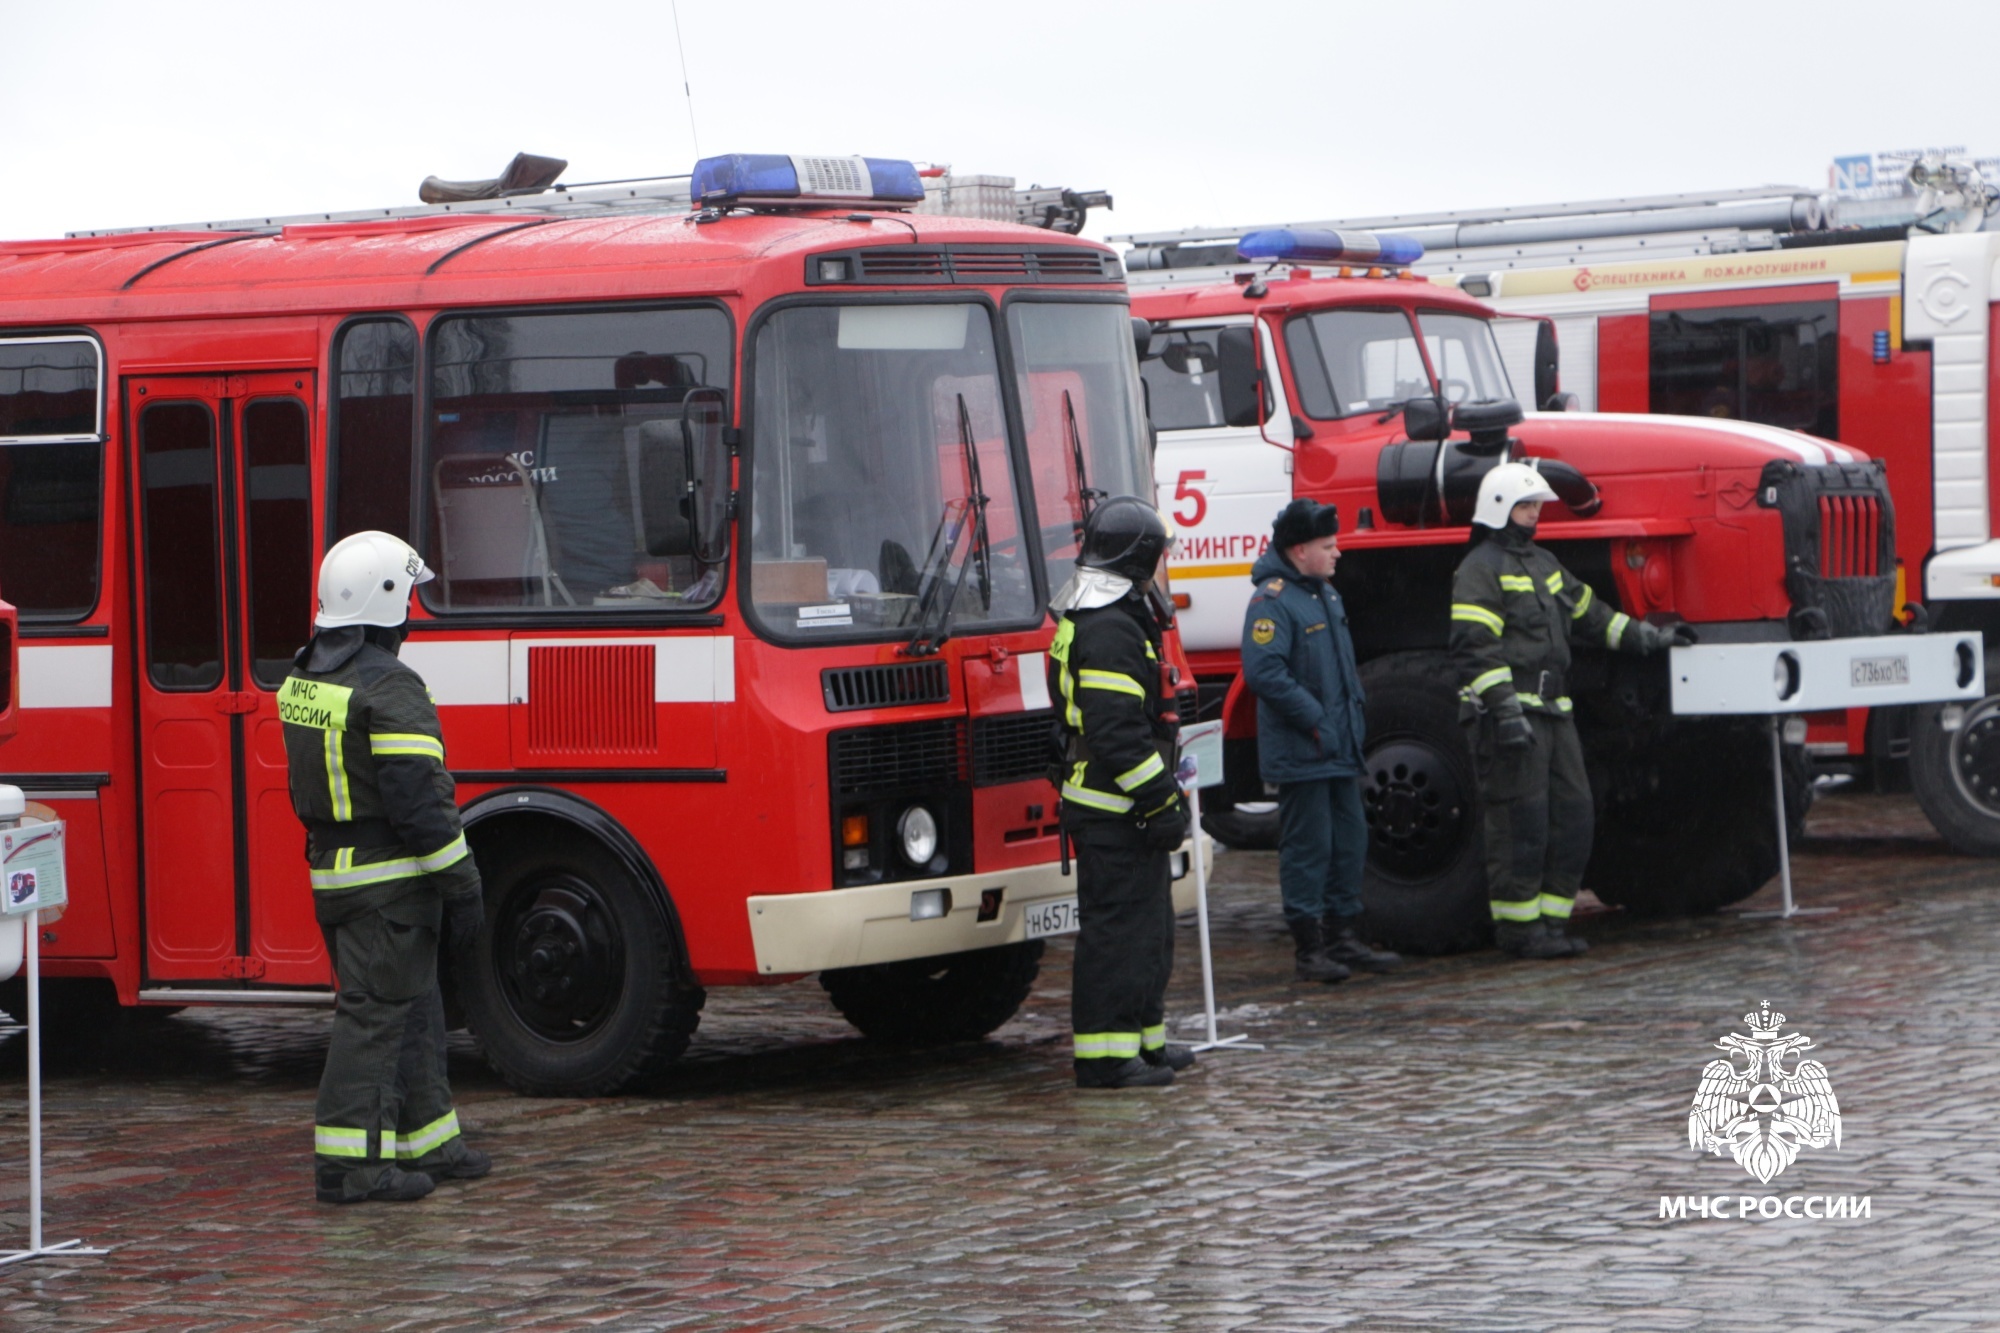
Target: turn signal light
854, 831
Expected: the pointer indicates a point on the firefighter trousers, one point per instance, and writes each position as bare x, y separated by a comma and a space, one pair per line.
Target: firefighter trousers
384, 1099
1125, 946
1538, 820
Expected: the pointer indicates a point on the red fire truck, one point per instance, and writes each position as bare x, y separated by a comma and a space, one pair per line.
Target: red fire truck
745, 518
1367, 386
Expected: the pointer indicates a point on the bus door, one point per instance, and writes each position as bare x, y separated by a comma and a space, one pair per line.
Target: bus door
225, 558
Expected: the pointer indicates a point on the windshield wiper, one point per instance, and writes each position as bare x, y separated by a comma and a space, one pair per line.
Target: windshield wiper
1086, 496
1395, 410
972, 518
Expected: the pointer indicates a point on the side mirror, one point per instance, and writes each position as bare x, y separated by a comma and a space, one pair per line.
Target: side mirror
704, 438
1242, 382
1142, 335
1548, 365
1426, 419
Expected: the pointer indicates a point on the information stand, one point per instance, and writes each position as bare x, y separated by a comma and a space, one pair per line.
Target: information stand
1780, 680
31, 880
1201, 757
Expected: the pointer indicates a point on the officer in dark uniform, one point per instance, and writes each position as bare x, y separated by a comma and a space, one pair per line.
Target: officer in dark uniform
389, 870
1514, 609
1298, 659
1121, 806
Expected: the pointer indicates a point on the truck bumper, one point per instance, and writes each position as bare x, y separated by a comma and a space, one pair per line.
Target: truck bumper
810, 932
1823, 674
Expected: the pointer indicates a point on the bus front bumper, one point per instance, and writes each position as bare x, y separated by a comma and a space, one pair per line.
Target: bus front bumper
811, 932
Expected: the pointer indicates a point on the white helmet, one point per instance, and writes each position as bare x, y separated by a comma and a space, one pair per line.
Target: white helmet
366, 580
1504, 487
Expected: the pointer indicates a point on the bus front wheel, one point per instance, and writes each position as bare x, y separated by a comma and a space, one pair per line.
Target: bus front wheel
924, 1001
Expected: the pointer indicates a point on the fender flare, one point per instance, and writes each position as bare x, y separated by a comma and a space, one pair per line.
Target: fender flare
594, 821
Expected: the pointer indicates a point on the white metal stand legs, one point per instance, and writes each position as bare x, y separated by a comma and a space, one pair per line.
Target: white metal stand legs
1240, 1041
1784, 843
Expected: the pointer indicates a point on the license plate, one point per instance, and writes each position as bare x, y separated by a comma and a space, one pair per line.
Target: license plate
1865, 671
1057, 917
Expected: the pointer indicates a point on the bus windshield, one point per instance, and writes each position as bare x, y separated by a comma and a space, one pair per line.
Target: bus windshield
881, 476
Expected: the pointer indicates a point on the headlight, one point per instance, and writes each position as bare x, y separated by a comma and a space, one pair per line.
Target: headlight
917, 832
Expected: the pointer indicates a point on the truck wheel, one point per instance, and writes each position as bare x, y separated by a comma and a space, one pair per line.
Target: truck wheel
1956, 775
923, 1001
1425, 887
1686, 826
575, 987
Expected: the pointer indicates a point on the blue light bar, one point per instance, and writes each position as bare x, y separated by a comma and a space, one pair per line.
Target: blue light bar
1330, 247
776, 178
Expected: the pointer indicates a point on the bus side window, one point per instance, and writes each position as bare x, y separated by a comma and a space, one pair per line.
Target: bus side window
374, 420
51, 476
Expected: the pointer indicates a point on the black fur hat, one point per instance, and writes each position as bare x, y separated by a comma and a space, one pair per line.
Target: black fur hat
1303, 521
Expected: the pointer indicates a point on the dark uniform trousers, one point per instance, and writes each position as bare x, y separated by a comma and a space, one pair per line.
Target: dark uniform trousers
1538, 821
1125, 944
385, 1064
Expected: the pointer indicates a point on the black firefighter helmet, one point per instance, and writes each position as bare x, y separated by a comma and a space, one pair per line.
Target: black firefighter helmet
1124, 536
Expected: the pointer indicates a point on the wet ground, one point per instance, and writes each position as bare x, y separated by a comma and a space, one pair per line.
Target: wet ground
1467, 1145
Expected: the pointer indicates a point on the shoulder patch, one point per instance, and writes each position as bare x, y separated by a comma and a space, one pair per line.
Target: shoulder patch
1263, 630
1275, 585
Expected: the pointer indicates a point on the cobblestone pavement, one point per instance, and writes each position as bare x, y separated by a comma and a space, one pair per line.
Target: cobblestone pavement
1469, 1144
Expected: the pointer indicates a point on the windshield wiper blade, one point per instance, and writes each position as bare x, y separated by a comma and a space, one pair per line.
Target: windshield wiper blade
982, 541
944, 540
972, 519
1086, 496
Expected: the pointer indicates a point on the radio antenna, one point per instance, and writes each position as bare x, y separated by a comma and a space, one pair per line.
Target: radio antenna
686, 87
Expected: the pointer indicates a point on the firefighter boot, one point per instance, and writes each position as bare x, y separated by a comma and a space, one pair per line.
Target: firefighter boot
339, 1184
1311, 961
1576, 944
1343, 946
1132, 1073
1173, 1056
465, 1164
1528, 940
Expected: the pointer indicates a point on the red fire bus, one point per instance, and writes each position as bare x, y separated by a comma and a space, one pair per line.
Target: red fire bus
745, 521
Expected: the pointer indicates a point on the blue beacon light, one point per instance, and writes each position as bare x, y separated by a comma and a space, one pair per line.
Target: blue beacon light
1330, 247
778, 178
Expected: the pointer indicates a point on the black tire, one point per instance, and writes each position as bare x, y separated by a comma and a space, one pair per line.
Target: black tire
927, 1001
1956, 774
1425, 886
576, 986
73, 1008
1222, 815
1686, 827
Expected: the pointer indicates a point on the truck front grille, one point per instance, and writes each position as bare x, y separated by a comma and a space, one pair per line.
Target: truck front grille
1840, 544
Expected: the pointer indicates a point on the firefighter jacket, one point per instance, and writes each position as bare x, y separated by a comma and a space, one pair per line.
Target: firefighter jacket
1514, 609
1119, 741
367, 771
1298, 659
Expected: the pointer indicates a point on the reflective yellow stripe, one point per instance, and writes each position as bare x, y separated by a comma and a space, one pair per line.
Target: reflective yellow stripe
336, 778
1106, 1045
376, 872
1059, 651
1557, 906
448, 855
1477, 615
1142, 772
395, 742
1517, 583
1508, 910
1561, 703
1582, 604
1153, 1038
431, 1137
329, 1141
388, 1145
1488, 679
1616, 629
1116, 681
1555, 581
1096, 800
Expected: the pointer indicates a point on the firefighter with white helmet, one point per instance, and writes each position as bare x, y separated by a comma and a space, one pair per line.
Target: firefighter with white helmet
1514, 610
390, 875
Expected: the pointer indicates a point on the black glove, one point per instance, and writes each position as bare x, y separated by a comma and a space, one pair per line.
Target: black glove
1512, 732
1684, 635
1657, 639
464, 914
1168, 829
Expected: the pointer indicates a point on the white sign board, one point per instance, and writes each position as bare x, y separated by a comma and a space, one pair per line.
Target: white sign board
31, 869
1202, 743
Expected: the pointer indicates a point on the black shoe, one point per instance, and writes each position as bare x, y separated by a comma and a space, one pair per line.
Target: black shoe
466, 1164
1531, 940
1309, 953
1133, 1073
1173, 1055
1576, 944
1343, 946
333, 1184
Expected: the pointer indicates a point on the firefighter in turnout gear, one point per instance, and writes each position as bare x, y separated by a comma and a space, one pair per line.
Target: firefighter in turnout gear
1514, 609
390, 874
1121, 806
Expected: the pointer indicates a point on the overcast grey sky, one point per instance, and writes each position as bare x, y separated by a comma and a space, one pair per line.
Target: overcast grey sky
116, 113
